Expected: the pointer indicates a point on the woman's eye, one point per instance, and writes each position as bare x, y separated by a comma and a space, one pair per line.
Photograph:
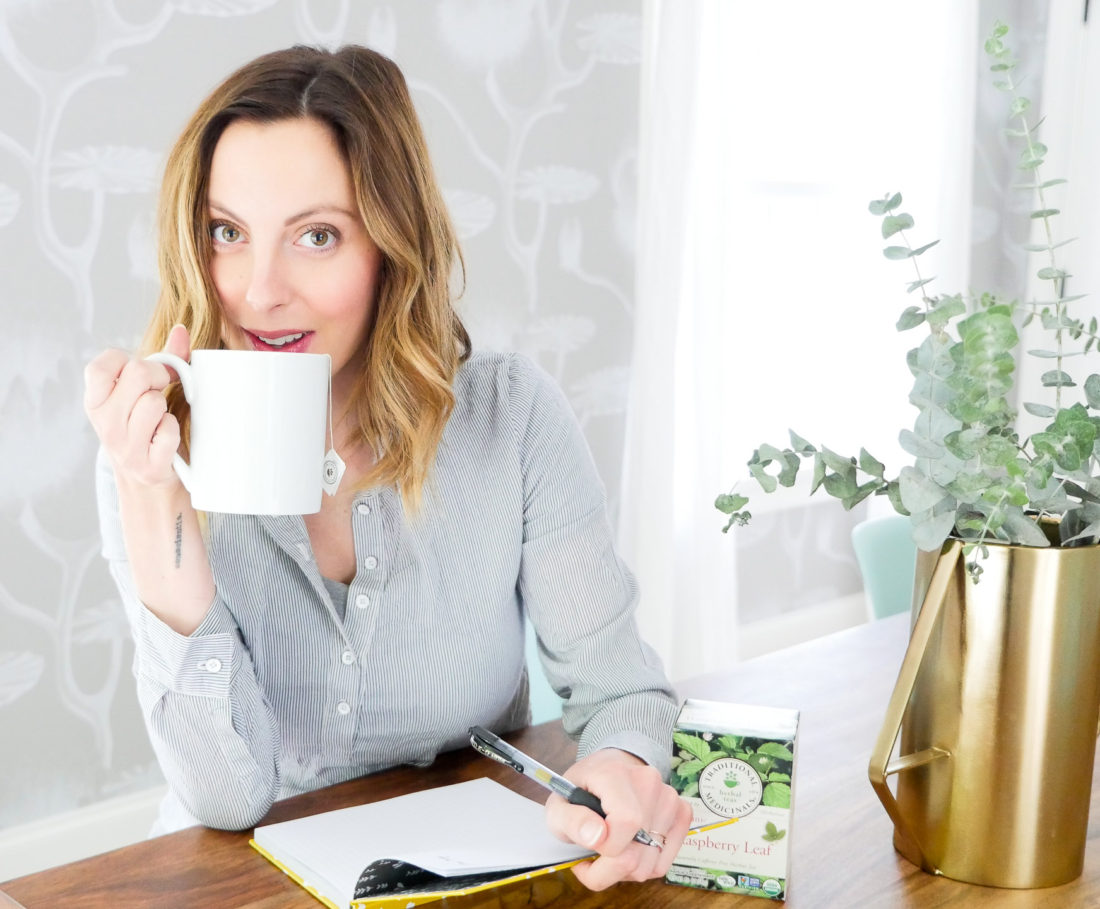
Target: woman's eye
319, 238
225, 233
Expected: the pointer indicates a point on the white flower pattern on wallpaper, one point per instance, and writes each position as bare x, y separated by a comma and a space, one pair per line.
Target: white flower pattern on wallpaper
471, 212
558, 335
556, 185
108, 169
544, 221
381, 32
602, 393
19, 673
485, 33
612, 37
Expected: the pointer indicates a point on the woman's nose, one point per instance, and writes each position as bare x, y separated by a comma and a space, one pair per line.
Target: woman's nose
267, 284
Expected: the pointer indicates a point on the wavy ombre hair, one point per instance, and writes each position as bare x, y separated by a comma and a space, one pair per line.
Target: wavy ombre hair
403, 394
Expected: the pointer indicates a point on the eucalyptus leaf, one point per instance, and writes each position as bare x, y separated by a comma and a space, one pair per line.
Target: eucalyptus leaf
910, 318
769, 453
862, 492
789, 470
819, 473
1024, 529
767, 482
871, 465
1044, 213
1051, 354
919, 447
930, 534
727, 503
1057, 378
1039, 410
1051, 274
1043, 247
893, 224
837, 462
886, 204
799, 444
1092, 391
1090, 532
893, 493
840, 486
919, 492
897, 252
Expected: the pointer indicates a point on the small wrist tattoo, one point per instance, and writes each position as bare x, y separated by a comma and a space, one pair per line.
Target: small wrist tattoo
179, 538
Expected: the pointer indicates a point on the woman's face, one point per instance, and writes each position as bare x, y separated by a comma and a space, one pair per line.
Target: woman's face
292, 262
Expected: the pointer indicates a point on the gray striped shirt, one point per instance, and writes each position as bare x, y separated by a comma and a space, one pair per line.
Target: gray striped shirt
279, 692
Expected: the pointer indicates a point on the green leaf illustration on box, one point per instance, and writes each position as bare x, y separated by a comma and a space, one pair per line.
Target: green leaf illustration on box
777, 795
772, 833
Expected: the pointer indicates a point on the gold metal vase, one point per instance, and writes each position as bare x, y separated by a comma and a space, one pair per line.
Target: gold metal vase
996, 703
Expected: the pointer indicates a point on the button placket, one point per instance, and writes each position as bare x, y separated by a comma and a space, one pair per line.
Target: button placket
368, 531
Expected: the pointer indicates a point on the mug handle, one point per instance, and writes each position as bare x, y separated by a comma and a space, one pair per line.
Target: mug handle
183, 370
881, 766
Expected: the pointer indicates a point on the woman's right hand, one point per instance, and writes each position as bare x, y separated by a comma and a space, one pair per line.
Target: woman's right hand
124, 401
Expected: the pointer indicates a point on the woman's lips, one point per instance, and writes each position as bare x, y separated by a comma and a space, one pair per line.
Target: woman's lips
280, 341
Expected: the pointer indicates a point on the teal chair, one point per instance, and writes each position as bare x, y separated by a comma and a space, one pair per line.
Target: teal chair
545, 703
887, 558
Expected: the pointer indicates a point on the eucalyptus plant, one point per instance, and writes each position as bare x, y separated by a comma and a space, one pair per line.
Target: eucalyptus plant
974, 476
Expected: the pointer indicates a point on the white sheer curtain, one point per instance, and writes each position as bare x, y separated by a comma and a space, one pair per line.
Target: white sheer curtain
763, 301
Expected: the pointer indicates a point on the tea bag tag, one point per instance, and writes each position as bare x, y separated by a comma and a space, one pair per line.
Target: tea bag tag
332, 467
332, 471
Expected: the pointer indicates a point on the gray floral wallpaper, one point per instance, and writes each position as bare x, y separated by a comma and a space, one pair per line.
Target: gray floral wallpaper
531, 111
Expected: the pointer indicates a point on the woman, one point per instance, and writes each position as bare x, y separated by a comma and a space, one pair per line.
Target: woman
299, 212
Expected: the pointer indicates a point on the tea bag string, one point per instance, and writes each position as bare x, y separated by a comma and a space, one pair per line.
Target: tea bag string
331, 424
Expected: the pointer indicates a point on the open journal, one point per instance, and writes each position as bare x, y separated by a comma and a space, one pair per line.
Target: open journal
417, 848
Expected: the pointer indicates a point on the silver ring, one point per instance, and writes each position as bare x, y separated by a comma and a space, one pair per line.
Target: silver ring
658, 838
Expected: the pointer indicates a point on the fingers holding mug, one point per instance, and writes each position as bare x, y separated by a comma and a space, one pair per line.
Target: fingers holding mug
101, 377
125, 404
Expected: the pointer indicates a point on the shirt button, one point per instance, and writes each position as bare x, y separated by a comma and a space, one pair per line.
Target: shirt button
343, 708
362, 601
348, 657
303, 549
363, 508
370, 562
212, 665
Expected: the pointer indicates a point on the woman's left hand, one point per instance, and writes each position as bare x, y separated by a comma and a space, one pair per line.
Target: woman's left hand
634, 797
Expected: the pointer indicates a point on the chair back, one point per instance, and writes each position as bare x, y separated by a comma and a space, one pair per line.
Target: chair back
545, 703
887, 558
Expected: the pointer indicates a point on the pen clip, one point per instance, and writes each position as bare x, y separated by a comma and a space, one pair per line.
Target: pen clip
481, 741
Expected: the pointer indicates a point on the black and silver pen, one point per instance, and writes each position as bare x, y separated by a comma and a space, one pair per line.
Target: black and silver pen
494, 747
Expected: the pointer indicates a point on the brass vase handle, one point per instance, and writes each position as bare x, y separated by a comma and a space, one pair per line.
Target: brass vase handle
881, 766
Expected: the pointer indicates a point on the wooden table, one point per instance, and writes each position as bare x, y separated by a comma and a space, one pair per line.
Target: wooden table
842, 855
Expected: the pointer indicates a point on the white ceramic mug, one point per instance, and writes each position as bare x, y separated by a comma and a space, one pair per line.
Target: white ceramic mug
258, 424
